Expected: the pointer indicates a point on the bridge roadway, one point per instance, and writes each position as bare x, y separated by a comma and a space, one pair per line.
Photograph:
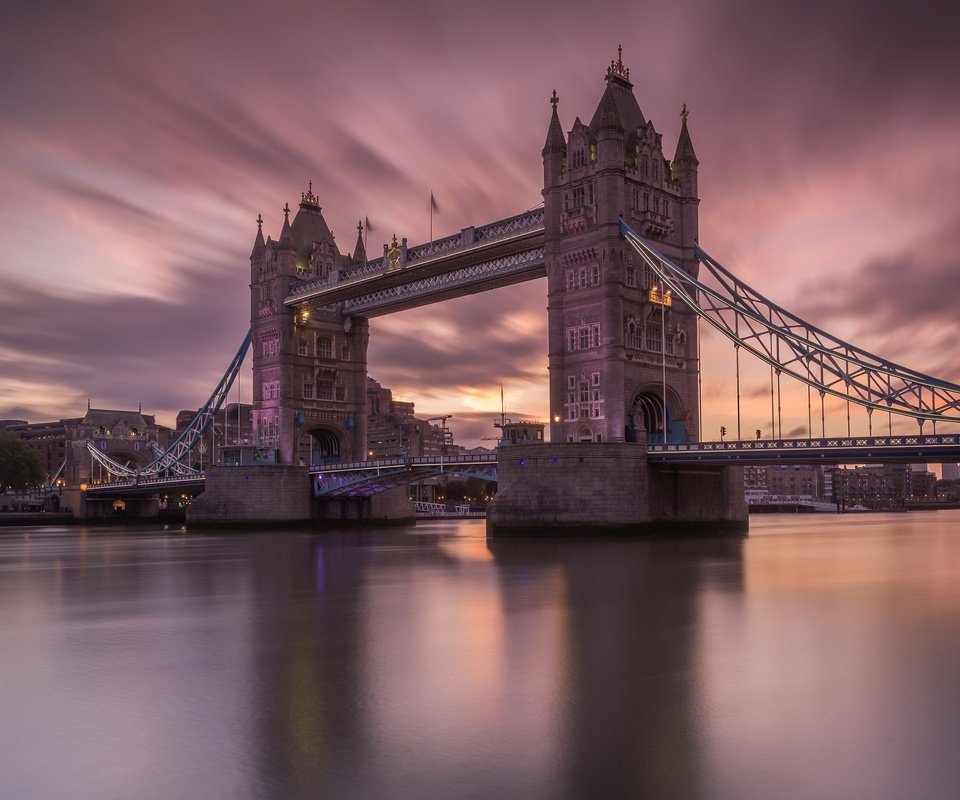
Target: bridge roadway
499, 254
821, 450
363, 478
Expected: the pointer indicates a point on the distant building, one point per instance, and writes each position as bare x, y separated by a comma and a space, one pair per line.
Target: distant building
950, 472
520, 432
230, 431
124, 436
877, 487
394, 431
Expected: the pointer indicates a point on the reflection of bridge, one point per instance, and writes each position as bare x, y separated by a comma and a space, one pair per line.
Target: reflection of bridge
628, 286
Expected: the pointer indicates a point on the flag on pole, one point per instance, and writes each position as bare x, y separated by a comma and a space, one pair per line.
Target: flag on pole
366, 224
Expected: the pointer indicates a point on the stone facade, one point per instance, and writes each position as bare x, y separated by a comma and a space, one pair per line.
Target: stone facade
613, 337
309, 365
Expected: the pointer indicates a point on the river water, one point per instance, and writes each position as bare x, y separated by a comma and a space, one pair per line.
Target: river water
817, 658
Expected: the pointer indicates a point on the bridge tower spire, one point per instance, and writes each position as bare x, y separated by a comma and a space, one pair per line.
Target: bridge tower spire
623, 358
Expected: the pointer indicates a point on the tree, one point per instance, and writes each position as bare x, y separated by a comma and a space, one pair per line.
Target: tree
20, 466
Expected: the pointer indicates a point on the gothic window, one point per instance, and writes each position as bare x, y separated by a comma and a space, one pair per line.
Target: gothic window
649, 277
654, 339
301, 346
666, 209
270, 389
571, 279
595, 274
578, 159
583, 337
646, 201
583, 277
578, 197
324, 347
344, 352
325, 390
630, 275
341, 393
634, 335
644, 169
307, 387
595, 379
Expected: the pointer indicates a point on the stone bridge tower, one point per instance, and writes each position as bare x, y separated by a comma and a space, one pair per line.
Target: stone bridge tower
615, 337
309, 366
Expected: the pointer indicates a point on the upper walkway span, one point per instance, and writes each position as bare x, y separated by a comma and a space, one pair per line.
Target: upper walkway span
499, 254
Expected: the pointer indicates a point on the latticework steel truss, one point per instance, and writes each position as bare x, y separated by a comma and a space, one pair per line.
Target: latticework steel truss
794, 347
168, 462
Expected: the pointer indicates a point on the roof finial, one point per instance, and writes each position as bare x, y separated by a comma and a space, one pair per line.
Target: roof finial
308, 198
260, 221
360, 226
616, 68
286, 212
684, 113
554, 99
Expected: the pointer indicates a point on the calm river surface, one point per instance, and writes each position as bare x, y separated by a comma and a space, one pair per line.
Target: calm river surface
818, 658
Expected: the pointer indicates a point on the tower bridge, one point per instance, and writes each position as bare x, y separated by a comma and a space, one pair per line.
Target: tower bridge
627, 286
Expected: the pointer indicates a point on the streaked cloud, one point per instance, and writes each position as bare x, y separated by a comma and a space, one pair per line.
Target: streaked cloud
140, 142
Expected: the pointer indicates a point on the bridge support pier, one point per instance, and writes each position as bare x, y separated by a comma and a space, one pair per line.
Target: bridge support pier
391, 507
609, 488
252, 495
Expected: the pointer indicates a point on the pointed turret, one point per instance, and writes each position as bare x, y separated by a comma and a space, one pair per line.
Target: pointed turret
360, 252
259, 246
685, 153
556, 142
286, 239
555, 148
685, 163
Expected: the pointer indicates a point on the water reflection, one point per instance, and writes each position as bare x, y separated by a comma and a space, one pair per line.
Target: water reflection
814, 659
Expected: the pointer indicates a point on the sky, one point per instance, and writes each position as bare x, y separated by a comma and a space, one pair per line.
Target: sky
139, 142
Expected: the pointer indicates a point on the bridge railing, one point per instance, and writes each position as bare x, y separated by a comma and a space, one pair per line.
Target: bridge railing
820, 443
418, 461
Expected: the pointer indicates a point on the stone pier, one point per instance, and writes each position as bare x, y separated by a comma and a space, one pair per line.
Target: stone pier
609, 488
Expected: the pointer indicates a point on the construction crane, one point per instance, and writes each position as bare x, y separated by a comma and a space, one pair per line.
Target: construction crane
446, 435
